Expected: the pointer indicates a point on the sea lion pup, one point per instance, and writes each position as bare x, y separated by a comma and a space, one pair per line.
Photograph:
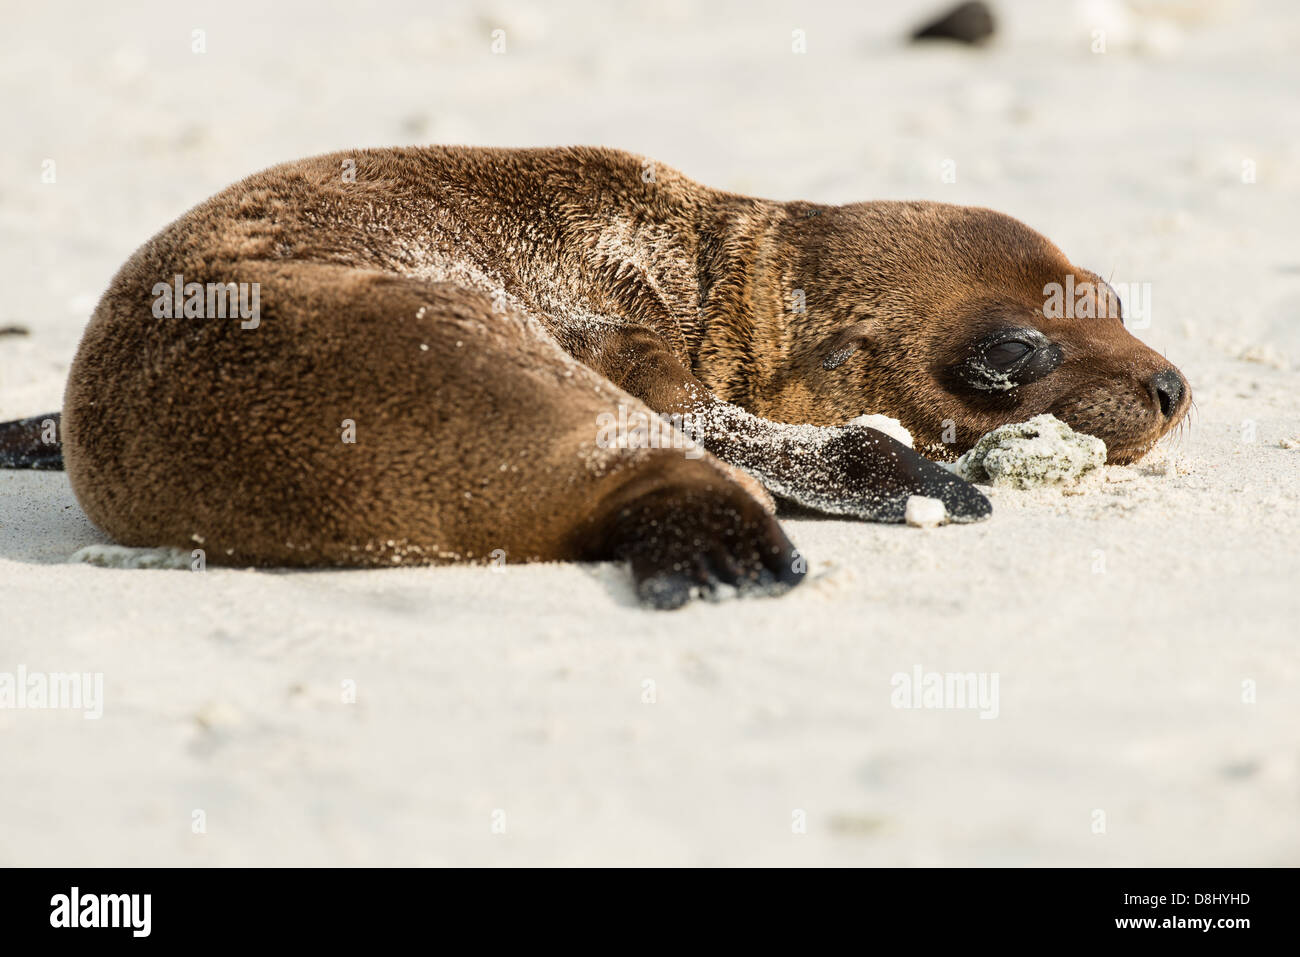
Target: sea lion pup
428, 347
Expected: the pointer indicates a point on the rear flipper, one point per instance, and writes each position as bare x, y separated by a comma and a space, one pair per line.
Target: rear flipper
32, 443
379, 420
687, 531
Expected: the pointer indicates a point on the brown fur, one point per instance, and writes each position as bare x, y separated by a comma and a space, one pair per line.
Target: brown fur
474, 310
912, 284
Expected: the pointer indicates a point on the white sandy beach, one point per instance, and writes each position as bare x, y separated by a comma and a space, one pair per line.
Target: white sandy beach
1144, 627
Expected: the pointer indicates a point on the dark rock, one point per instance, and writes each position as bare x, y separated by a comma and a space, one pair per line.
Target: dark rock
967, 23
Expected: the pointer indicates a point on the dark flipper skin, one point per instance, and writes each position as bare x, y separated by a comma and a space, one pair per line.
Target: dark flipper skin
848, 470
866, 474
32, 443
852, 471
689, 540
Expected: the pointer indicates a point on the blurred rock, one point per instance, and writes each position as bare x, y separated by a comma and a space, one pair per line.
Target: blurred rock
967, 23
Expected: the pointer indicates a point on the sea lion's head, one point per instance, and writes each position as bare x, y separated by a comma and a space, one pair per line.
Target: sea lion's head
955, 320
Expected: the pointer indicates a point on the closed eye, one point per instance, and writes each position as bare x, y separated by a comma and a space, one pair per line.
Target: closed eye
1004, 355
1006, 359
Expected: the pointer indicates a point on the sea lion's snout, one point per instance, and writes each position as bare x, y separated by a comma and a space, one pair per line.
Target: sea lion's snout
957, 320
1091, 373
1169, 389
1117, 388
1001, 361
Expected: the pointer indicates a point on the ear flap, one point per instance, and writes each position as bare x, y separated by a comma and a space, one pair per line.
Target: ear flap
844, 343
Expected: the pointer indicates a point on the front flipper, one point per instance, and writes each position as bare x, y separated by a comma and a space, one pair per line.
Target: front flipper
869, 475
850, 470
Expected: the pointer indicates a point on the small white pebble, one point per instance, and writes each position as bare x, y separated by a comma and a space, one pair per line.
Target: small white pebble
883, 423
924, 512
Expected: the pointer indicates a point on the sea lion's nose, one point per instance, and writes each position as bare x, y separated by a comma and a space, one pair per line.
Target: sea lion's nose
1168, 387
